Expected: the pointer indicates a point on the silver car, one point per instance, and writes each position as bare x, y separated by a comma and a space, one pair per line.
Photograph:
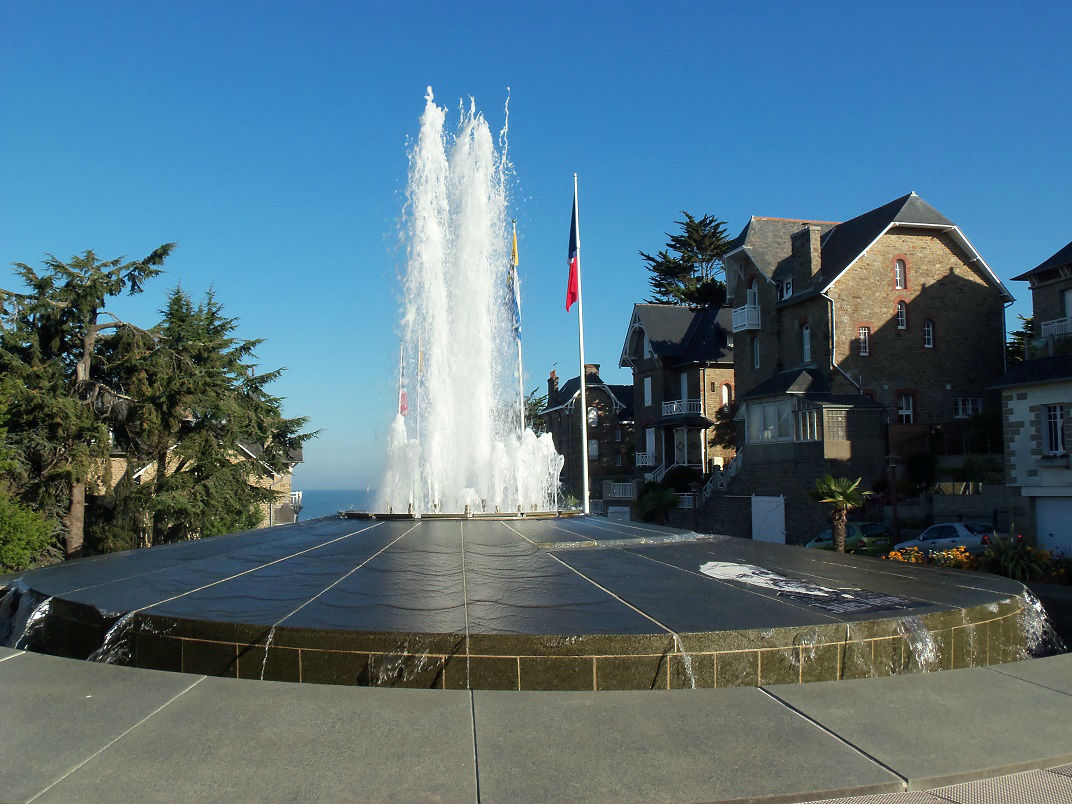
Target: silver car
973, 537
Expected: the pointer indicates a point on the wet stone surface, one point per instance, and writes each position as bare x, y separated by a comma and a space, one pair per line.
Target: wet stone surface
577, 603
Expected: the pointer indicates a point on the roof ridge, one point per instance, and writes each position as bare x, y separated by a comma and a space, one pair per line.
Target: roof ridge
792, 220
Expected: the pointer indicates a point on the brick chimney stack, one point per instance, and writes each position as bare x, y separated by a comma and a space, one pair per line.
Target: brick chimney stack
591, 369
552, 389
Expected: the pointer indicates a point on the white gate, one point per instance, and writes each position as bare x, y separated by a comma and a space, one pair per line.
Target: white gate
1054, 518
768, 519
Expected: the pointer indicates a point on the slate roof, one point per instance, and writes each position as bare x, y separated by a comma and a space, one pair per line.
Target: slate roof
685, 335
1062, 257
1037, 372
767, 241
571, 387
810, 384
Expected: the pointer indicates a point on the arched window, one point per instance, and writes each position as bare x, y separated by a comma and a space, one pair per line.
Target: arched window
928, 334
727, 394
900, 274
805, 341
902, 315
751, 295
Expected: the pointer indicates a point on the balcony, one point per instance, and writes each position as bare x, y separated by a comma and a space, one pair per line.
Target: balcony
645, 459
1059, 326
679, 406
746, 318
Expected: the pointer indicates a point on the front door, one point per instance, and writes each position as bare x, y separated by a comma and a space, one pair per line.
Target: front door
681, 446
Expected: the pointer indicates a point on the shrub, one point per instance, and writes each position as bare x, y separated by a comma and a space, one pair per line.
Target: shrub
910, 555
1015, 559
656, 503
956, 557
24, 535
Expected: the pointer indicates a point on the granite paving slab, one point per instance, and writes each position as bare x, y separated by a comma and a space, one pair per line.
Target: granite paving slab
56, 713
232, 740
1052, 672
946, 727
703, 745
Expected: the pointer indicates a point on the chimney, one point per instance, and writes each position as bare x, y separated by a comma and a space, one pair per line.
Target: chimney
552, 389
807, 251
591, 369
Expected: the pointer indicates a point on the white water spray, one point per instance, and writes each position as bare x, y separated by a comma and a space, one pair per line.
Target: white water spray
460, 442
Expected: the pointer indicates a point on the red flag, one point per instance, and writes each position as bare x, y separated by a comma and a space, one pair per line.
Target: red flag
403, 402
573, 291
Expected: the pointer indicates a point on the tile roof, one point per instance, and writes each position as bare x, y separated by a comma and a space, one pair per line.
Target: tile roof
686, 335
571, 387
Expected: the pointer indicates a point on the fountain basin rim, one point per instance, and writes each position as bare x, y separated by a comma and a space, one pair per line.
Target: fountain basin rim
460, 516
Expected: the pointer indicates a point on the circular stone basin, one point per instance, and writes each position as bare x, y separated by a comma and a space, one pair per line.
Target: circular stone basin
570, 603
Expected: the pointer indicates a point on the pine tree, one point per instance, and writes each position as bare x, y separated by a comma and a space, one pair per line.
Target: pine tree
687, 271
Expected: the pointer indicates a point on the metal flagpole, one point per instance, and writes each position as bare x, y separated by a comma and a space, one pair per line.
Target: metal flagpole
517, 333
580, 344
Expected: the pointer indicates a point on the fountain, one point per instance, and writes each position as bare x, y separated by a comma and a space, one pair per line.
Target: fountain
459, 440
508, 601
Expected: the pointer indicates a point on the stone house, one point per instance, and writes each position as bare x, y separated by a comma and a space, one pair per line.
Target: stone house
610, 433
683, 372
894, 307
1037, 411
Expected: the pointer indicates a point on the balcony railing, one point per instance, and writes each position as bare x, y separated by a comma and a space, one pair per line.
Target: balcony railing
645, 459
1059, 326
622, 491
681, 406
745, 318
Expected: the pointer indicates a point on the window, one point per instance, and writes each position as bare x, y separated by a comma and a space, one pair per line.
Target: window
805, 340
807, 424
770, 421
755, 352
647, 390
928, 334
727, 394
751, 295
593, 416
1053, 442
906, 404
617, 433
593, 449
865, 341
964, 407
785, 288
902, 315
618, 459
647, 347
900, 274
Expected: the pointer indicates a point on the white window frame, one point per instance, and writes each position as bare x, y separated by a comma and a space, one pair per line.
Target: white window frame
785, 288
593, 449
727, 394
865, 341
964, 407
1053, 441
647, 391
755, 352
593, 416
805, 339
900, 274
928, 334
902, 315
906, 413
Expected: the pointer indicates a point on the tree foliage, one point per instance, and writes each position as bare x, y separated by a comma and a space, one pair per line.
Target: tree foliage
1016, 346
842, 495
181, 409
687, 271
534, 403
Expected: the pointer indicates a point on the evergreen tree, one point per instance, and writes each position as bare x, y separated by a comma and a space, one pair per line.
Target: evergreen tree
687, 270
1016, 346
534, 403
49, 337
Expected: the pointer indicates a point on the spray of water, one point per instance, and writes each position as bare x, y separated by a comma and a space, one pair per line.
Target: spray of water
460, 442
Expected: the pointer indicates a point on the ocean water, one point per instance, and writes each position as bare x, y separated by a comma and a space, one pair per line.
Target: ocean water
321, 502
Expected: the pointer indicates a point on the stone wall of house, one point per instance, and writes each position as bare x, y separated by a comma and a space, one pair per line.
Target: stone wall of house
766, 337
942, 287
1048, 302
711, 380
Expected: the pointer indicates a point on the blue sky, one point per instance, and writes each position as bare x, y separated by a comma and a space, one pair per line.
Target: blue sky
269, 141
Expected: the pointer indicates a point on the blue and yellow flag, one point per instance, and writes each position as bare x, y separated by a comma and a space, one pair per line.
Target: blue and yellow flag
515, 287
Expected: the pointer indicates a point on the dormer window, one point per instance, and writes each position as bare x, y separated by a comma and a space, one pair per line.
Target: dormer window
900, 274
785, 289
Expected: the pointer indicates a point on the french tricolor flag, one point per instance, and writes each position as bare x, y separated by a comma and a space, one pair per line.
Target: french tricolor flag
573, 290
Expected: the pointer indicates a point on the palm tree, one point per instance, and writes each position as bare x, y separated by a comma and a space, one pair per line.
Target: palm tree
842, 495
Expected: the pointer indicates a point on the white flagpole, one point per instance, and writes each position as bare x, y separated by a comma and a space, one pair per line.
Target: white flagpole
517, 298
580, 344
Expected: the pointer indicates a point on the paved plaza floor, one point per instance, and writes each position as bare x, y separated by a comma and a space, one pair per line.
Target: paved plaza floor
83, 732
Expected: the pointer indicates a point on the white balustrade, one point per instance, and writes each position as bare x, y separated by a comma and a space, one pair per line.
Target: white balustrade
1059, 326
679, 406
746, 317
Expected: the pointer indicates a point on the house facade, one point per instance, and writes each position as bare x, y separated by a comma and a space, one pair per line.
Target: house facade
683, 373
610, 434
1037, 410
886, 326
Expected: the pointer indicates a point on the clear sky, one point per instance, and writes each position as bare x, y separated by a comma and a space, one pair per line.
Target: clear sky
269, 141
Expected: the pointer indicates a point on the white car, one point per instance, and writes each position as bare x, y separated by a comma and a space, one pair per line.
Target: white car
975, 538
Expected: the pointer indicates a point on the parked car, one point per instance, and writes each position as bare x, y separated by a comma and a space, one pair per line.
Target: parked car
868, 538
975, 538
